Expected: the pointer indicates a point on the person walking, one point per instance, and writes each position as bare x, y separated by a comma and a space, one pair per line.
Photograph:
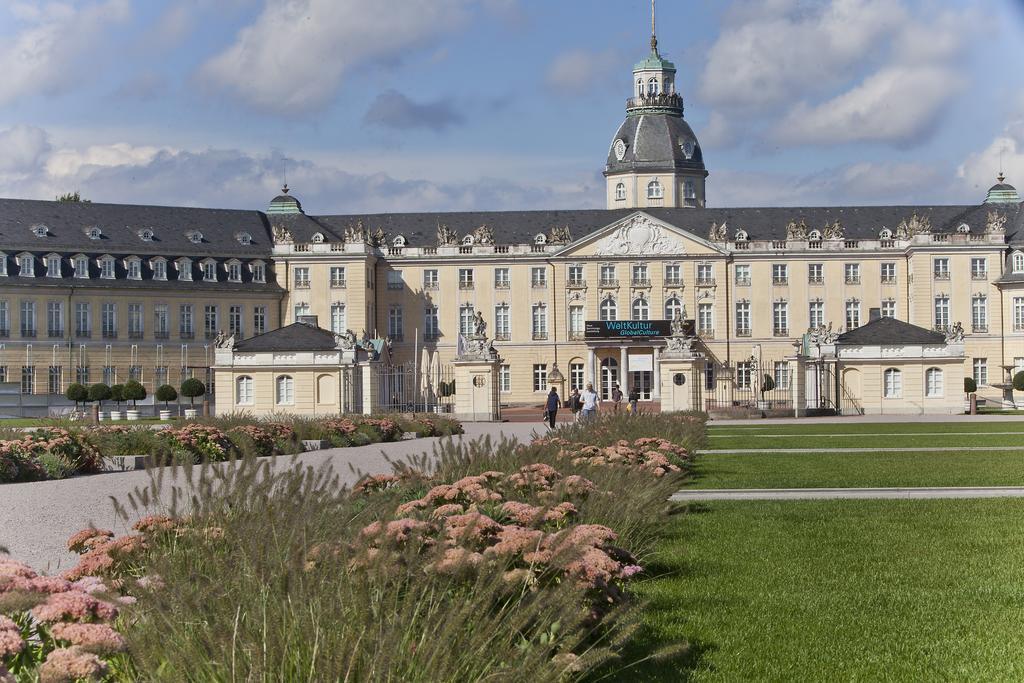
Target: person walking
616, 397
551, 407
590, 402
575, 403
634, 399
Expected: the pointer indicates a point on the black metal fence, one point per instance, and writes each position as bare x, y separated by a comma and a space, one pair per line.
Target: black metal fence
412, 388
751, 385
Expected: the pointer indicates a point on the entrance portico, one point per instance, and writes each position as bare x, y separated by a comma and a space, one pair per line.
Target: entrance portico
631, 364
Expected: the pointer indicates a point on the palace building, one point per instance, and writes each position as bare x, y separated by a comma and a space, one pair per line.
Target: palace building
105, 292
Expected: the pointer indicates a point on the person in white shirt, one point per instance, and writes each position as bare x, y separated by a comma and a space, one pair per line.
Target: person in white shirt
591, 401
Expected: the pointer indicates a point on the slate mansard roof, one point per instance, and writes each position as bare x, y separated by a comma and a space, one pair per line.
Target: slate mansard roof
890, 331
294, 337
654, 142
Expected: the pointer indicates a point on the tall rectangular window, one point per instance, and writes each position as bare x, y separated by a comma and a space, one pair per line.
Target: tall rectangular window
159, 269
210, 322
28, 318
640, 276
28, 379
338, 277
259, 319
27, 265
107, 268
888, 272
705, 319
210, 270
109, 375
259, 271
705, 274
135, 321
979, 268
431, 279
339, 318
396, 326
780, 274
466, 315
502, 322
53, 266
742, 318
186, 324
82, 374
540, 377
980, 371
505, 379
161, 321
979, 313
55, 318
576, 322
108, 319
852, 273
134, 267
852, 314
575, 276
816, 314
185, 269
431, 326
81, 267
941, 313
235, 321
780, 318
744, 372
5, 319
781, 374
940, 267
576, 376
607, 275
888, 308
538, 277
234, 271
160, 375
1018, 313
466, 278
55, 380
502, 279
815, 273
540, 321
301, 277
743, 275
395, 279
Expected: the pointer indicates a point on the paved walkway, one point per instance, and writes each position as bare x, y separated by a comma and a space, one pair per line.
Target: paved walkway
877, 449
930, 492
36, 518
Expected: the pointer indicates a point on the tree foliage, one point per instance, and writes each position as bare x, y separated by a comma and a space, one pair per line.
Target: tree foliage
134, 391
99, 392
77, 392
73, 197
970, 386
1018, 381
192, 388
166, 393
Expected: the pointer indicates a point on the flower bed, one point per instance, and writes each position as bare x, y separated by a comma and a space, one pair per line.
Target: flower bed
486, 561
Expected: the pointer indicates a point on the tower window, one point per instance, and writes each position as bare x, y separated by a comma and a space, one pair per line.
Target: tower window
640, 88
620, 192
655, 190
652, 86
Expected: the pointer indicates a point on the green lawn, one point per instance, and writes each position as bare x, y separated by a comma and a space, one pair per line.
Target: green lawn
879, 468
827, 428
838, 590
885, 440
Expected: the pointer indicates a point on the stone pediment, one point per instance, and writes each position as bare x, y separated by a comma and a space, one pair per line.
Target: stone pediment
640, 235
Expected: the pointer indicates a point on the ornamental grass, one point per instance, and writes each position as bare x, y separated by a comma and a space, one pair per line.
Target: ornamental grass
483, 560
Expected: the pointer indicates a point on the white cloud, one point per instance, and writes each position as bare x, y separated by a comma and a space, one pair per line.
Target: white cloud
125, 173
577, 72
55, 46
978, 172
897, 104
294, 56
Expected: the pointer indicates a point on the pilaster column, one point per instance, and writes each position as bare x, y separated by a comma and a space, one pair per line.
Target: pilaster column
624, 370
592, 366
656, 389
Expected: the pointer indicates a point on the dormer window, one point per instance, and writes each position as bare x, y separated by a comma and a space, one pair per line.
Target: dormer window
93, 233
318, 238
185, 269
146, 235
655, 190
159, 266
133, 264
26, 265
259, 271
814, 236
688, 148
540, 238
210, 270
1018, 262
52, 265
194, 236
467, 241
741, 236
234, 270
40, 230
81, 262
399, 241
106, 267
963, 229
244, 238
885, 234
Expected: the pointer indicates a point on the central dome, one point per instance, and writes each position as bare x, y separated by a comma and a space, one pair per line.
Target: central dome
655, 142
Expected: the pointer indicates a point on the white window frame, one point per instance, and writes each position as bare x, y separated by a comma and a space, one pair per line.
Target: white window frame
244, 390
892, 383
934, 383
284, 390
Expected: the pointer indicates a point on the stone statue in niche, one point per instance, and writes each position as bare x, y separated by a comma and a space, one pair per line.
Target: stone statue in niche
479, 326
677, 325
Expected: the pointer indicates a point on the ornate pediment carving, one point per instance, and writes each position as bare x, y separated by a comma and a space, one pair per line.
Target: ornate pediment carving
639, 236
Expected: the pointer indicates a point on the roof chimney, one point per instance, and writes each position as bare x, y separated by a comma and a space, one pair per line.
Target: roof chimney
874, 314
310, 320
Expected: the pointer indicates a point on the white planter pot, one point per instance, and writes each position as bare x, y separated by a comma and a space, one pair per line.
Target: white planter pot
132, 414
115, 414
101, 416
191, 413
165, 414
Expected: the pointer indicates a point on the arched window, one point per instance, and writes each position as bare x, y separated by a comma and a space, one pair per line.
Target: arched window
243, 390
1018, 262
285, 390
933, 384
673, 306
885, 234
893, 383
652, 86
609, 311
640, 87
609, 377
655, 190
620, 192
641, 309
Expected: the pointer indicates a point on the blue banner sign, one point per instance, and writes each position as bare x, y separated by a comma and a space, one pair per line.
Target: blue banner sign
627, 329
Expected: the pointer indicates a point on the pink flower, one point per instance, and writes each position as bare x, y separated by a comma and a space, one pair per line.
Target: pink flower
99, 638
73, 605
77, 543
155, 523
11, 642
65, 665
15, 568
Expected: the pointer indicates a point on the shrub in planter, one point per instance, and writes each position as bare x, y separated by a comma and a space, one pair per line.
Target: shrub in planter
78, 393
970, 386
166, 393
98, 393
192, 389
117, 394
133, 391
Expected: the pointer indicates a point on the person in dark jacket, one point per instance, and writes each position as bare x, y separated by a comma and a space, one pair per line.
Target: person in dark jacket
551, 407
634, 400
575, 404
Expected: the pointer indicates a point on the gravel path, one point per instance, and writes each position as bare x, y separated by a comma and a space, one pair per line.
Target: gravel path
920, 493
36, 518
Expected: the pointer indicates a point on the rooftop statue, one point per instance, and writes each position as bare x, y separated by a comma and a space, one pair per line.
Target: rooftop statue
282, 235
995, 222
446, 237
834, 231
796, 230
559, 235
717, 233
483, 235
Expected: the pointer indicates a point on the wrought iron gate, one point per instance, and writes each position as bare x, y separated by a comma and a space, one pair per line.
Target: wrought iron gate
412, 388
750, 385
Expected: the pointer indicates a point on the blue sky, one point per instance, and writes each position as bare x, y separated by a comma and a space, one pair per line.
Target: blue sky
402, 105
